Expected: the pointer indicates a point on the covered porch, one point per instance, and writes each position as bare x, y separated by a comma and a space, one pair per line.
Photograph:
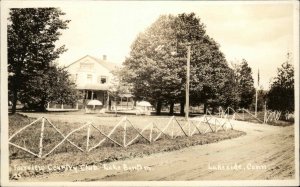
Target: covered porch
122, 102
93, 92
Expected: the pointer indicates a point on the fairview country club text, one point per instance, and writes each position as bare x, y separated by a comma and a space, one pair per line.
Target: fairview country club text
79, 168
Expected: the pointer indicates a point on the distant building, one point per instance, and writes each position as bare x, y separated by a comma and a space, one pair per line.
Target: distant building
92, 77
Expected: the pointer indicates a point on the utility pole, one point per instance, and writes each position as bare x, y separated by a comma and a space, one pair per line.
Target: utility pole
187, 88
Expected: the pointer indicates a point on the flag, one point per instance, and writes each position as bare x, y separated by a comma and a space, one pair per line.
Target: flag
258, 78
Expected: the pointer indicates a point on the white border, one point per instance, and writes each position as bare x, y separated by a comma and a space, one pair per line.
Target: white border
297, 69
5, 5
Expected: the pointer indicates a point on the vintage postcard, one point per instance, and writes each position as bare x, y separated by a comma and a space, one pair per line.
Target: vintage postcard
149, 93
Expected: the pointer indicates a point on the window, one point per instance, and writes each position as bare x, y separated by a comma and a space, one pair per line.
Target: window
103, 80
86, 66
89, 77
74, 77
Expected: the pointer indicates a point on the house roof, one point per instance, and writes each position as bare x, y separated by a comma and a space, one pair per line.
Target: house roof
108, 65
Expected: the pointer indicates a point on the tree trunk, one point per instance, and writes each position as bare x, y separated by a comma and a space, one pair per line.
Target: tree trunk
42, 105
15, 88
171, 112
14, 102
109, 104
158, 107
205, 108
181, 108
213, 110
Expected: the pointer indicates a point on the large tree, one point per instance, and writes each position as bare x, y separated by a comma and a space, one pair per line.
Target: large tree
211, 78
244, 84
281, 95
156, 66
32, 33
53, 85
151, 68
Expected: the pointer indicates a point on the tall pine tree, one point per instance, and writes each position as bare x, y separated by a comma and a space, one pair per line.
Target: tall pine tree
281, 95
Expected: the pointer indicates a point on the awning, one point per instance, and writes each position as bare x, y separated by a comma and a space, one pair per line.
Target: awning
94, 102
143, 103
103, 87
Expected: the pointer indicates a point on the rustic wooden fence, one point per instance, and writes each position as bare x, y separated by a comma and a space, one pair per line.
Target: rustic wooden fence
230, 113
237, 114
271, 116
197, 125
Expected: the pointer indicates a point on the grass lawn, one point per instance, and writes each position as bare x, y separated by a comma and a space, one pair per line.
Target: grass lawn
107, 152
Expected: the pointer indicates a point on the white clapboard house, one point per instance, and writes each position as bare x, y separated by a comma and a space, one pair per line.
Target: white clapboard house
92, 77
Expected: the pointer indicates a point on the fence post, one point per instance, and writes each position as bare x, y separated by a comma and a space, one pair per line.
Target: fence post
76, 106
216, 129
62, 106
265, 116
41, 138
172, 134
189, 125
243, 114
150, 138
124, 138
88, 137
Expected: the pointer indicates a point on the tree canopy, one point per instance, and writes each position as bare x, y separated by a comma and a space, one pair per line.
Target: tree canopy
244, 84
281, 94
156, 67
32, 33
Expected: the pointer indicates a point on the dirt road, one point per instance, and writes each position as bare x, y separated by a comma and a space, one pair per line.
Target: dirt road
266, 152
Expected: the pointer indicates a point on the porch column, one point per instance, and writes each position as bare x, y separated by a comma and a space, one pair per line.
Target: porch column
107, 101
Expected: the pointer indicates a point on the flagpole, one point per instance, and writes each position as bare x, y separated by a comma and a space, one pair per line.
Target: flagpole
256, 103
256, 93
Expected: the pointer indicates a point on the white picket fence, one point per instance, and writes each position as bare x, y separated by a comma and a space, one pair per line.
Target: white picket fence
189, 128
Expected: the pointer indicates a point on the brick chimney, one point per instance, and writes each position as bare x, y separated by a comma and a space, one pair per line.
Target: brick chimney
104, 57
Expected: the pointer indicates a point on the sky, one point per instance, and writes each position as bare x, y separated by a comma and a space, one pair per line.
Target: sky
259, 32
